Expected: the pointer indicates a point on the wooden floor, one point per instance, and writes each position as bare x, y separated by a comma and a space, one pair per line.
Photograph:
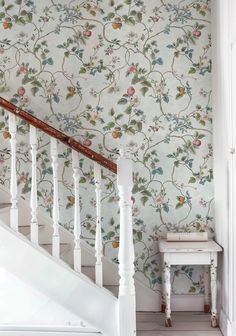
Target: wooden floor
184, 324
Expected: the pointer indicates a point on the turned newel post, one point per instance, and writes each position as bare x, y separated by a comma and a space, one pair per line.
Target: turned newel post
55, 237
127, 306
33, 196
77, 224
13, 186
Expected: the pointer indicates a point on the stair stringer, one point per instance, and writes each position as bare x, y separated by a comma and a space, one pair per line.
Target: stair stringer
146, 298
52, 277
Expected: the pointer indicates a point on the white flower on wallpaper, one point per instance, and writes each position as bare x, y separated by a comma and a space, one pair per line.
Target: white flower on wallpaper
110, 73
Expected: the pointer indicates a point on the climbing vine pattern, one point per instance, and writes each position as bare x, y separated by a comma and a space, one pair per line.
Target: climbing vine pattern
112, 73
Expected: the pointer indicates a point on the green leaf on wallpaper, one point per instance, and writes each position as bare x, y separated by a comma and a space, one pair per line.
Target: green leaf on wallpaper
82, 70
2, 3
192, 289
110, 125
122, 101
7, 8
111, 3
158, 170
128, 2
21, 21
133, 13
2, 125
178, 205
144, 90
192, 180
128, 110
158, 61
2, 15
144, 200
82, 180
110, 16
192, 71
18, 2
34, 90
146, 83
139, 126
139, 17
36, 83
139, 235
166, 99
29, 17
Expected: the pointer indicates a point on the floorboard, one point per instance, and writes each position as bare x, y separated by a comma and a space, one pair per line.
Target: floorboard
184, 324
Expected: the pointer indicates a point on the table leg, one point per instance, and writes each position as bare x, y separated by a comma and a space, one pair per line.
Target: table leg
163, 300
167, 292
207, 307
214, 320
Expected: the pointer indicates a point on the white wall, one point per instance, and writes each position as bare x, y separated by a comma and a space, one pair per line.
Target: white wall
224, 97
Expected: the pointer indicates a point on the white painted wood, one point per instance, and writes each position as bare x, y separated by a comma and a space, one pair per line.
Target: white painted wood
196, 247
58, 282
33, 196
189, 253
167, 287
187, 236
98, 239
213, 272
206, 287
56, 237
13, 186
180, 333
77, 223
127, 305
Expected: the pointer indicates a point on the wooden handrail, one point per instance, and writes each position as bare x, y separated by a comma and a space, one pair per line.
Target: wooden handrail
67, 140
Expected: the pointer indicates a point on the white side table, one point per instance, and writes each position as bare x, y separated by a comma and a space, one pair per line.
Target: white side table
191, 253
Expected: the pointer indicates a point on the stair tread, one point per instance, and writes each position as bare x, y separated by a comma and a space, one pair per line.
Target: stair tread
5, 205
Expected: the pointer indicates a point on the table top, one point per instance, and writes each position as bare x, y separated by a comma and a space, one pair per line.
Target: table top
179, 247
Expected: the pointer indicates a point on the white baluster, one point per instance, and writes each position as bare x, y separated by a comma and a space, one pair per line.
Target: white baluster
13, 187
33, 196
77, 225
56, 237
127, 305
98, 240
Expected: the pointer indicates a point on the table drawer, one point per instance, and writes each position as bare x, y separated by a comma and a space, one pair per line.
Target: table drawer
199, 258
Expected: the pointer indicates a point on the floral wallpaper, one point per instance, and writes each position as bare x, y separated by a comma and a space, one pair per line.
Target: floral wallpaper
109, 73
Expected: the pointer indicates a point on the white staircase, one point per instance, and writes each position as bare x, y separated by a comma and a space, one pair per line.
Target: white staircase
47, 266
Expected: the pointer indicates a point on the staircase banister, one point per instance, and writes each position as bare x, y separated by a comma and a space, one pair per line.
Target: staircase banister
53, 132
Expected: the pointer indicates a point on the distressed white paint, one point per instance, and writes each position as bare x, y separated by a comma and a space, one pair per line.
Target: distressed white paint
98, 239
13, 186
33, 196
56, 237
213, 274
77, 223
206, 288
127, 305
189, 253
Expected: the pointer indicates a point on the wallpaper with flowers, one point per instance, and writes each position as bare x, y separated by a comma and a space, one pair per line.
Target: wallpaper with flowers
109, 73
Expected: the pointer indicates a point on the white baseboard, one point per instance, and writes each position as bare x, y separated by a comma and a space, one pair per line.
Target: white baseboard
10, 330
227, 328
187, 302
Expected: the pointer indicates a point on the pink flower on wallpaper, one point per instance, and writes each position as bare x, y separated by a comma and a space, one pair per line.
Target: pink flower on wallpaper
21, 91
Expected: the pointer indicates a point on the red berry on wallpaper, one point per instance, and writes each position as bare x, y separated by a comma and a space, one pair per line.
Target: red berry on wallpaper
196, 33
197, 143
87, 33
130, 91
87, 142
21, 91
